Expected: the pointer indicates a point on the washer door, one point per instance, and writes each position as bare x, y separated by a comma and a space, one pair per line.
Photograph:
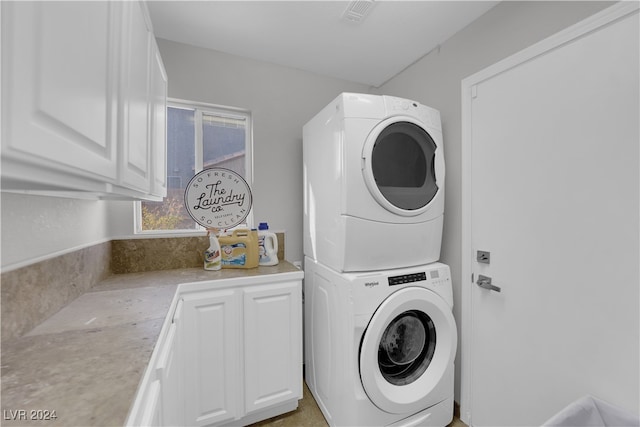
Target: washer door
406, 350
403, 166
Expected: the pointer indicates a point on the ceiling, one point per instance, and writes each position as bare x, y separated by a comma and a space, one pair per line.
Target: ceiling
312, 36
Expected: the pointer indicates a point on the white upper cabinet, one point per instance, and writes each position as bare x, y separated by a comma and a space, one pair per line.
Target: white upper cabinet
76, 98
59, 89
135, 106
159, 92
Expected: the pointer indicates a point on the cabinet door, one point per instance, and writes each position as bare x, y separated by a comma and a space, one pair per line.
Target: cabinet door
169, 370
134, 109
158, 124
59, 89
273, 344
211, 334
152, 410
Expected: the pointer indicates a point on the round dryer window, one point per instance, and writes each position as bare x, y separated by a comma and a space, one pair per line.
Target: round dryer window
407, 351
400, 159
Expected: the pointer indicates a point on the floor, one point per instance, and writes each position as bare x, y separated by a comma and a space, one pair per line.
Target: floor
308, 415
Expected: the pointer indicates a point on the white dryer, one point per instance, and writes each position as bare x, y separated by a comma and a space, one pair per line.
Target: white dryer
380, 346
374, 183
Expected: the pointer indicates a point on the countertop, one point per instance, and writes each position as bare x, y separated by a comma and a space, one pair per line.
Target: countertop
85, 362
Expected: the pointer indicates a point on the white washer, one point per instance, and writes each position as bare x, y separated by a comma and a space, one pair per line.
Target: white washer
374, 183
380, 346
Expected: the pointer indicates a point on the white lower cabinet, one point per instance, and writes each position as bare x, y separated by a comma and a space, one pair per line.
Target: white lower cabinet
230, 353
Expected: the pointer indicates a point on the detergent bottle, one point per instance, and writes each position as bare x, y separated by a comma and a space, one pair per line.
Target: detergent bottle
212, 258
267, 245
239, 249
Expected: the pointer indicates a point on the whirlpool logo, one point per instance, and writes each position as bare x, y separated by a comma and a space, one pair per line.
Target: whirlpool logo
371, 284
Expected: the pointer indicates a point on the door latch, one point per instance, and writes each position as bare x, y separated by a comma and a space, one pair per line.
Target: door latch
483, 257
485, 283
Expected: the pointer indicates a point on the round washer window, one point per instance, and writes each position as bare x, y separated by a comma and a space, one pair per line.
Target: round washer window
391, 384
407, 347
402, 163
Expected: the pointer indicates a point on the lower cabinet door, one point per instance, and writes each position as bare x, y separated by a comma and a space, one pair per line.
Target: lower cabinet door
211, 331
169, 371
272, 344
152, 410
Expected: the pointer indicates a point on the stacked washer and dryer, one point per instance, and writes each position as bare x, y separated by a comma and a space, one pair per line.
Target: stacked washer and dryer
380, 337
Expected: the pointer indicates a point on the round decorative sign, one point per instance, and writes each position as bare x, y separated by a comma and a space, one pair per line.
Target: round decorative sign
218, 198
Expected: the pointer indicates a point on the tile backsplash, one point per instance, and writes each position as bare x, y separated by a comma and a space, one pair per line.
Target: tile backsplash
138, 255
33, 293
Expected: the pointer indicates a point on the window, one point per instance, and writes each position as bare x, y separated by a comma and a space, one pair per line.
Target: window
199, 136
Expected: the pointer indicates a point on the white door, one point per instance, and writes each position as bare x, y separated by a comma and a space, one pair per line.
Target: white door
551, 192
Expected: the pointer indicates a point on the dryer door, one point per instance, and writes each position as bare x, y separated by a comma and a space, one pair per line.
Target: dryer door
407, 352
403, 166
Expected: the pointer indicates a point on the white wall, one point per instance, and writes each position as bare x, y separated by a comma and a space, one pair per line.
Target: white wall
37, 227
435, 80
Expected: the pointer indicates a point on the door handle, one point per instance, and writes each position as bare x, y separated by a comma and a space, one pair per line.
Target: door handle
485, 283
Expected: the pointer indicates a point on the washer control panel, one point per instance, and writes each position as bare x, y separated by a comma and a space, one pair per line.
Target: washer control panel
407, 278
370, 288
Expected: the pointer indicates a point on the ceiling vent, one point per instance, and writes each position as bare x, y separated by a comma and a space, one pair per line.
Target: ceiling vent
358, 10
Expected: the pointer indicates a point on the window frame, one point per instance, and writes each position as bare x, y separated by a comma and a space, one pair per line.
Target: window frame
199, 109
